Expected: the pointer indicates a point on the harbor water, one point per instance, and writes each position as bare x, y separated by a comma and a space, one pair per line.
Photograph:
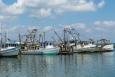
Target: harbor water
76, 65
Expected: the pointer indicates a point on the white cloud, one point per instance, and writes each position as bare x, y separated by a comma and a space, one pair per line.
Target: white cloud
48, 29
104, 29
7, 29
97, 30
47, 8
101, 4
5, 18
14, 9
42, 12
105, 24
76, 26
80, 6
2, 18
56, 2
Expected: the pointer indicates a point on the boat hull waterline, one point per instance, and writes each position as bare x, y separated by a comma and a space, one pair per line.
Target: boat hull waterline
94, 48
42, 51
11, 51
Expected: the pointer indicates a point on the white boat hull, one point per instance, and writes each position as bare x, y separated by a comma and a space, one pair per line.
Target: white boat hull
84, 48
93, 48
109, 47
49, 51
9, 52
42, 51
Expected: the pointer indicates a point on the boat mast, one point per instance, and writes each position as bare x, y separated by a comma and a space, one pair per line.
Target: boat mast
5, 39
1, 36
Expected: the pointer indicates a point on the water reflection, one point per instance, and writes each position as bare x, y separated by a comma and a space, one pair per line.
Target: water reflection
77, 65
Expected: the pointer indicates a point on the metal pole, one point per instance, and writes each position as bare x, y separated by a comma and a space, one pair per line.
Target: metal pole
1, 36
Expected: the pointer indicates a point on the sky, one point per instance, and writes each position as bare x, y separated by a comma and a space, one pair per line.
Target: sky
91, 18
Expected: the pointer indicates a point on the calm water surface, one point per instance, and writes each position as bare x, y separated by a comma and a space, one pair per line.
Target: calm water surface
77, 65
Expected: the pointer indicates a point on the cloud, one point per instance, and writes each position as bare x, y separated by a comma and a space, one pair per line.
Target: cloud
105, 29
23, 29
42, 12
44, 8
48, 29
105, 25
14, 9
5, 18
2, 18
97, 30
76, 26
101, 4
81, 5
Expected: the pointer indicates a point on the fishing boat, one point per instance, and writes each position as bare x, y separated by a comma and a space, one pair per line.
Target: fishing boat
48, 50
85, 48
5, 49
105, 45
32, 46
102, 45
9, 51
109, 47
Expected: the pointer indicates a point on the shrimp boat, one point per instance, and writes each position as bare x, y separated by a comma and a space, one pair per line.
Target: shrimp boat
105, 44
6, 50
85, 47
32, 46
9, 51
48, 50
102, 45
